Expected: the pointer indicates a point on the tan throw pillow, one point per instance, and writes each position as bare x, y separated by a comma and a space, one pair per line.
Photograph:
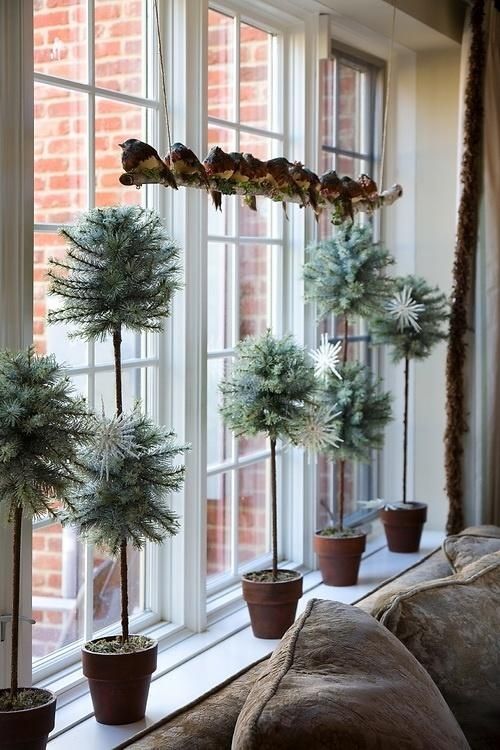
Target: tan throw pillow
452, 626
463, 549
340, 680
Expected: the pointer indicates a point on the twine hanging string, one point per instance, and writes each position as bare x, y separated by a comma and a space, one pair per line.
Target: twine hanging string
387, 97
163, 75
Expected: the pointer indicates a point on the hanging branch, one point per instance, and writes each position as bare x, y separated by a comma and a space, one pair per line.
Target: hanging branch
456, 421
245, 175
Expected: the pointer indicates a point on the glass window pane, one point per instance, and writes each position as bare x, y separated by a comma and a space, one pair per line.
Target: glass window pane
255, 76
60, 147
256, 284
120, 46
218, 524
219, 296
249, 445
114, 123
131, 348
134, 384
51, 339
219, 438
57, 588
253, 511
106, 587
327, 102
220, 65
60, 38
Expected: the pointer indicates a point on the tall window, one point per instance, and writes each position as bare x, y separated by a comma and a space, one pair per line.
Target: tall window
349, 94
92, 92
244, 286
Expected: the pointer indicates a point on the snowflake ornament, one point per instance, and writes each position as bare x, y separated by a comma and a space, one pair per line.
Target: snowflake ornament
115, 439
317, 431
405, 310
326, 358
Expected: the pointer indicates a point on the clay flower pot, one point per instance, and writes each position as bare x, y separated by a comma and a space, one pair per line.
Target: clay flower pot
339, 558
272, 604
29, 728
403, 526
119, 683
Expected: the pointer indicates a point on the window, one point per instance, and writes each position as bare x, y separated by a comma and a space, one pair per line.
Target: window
92, 91
244, 283
349, 93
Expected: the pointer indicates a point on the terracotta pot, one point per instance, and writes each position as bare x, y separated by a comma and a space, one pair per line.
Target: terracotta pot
27, 729
119, 683
403, 527
272, 605
339, 558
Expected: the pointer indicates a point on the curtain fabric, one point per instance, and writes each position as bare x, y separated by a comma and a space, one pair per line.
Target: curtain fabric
490, 231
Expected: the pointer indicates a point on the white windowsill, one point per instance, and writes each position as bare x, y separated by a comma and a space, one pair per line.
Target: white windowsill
202, 661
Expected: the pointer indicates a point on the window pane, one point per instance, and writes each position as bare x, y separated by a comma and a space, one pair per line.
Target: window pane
134, 384
256, 283
131, 348
218, 524
60, 146
246, 446
120, 46
219, 296
253, 491
220, 65
60, 38
219, 438
51, 339
106, 583
57, 575
327, 102
114, 123
255, 76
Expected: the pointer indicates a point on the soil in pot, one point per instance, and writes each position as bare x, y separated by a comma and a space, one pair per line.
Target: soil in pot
403, 524
119, 677
26, 726
272, 604
339, 556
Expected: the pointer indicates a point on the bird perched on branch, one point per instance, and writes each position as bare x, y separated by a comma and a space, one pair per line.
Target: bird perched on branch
139, 157
184, 162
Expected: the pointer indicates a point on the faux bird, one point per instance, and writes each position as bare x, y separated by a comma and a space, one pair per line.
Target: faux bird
141, 158
182, 161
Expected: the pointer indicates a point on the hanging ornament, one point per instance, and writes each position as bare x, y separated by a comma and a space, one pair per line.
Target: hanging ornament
243, 174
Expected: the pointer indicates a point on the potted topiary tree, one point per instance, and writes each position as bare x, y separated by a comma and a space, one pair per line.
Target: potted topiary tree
362, 412
271, 388
41, 424
126, 474
345, 277
412, 324
121, 272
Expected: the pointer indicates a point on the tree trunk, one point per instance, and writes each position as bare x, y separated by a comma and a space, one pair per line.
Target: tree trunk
117, 344
342, 462
274, 510
405, 426
16, 585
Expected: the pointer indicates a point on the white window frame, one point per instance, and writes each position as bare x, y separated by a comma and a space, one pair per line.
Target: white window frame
182, 593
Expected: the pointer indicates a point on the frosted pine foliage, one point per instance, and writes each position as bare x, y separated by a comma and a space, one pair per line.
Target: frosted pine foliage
121, 270
363, 412
271, 382
129, 501
326, 357
345, 275
42, 424
411, 342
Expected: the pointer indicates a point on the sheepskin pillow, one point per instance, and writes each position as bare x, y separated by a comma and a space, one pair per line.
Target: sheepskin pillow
463, 549
340, 680
452, 626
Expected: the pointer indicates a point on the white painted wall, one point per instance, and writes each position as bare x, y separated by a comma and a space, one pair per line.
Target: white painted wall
435, 211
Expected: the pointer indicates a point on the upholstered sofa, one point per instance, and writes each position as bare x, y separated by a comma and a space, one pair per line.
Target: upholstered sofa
413, 665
